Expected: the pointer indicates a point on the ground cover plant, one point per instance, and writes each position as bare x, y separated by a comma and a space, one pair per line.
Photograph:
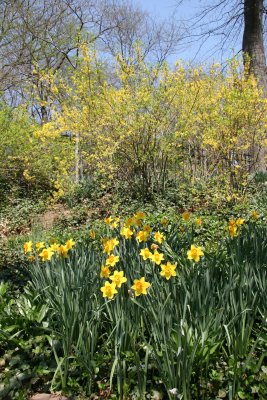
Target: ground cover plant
142, 310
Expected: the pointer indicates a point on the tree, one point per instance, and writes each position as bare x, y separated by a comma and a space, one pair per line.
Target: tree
132, 25
253, 43
41, 35
231, 19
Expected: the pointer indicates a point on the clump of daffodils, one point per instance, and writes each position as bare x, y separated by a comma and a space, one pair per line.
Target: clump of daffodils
47, 252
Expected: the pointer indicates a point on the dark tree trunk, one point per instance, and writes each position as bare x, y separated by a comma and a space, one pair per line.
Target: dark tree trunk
253, 40
253, 46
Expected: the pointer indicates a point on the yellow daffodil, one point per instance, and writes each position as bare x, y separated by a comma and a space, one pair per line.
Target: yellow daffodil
255, 215
31, 258
164, 221
63, 250
157, 257
46, 254
140, 286
69, 244
154, 246
108, 220
126, 232
232, 229
186, 216
138, 222
109, 290
112, 260
142, 236
109, 245
139, 215
195, 253
129, 222
27, 247
168, 270
145, 253
158, 237
92, 234
39, 245
118, 278
54, 247
105, 271
198, 221
240, 221
147, 228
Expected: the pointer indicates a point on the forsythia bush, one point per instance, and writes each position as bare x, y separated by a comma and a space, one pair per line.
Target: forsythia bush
151, 125
27, 163
148, 125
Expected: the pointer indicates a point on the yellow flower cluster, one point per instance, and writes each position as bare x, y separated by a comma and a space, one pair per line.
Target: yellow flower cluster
167, 270
47, 252
133, 227
233, 226
112, 222
109, 289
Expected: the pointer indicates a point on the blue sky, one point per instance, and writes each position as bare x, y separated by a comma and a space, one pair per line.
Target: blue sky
196, 52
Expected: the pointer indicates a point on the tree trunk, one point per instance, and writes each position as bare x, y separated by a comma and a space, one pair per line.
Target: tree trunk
77, 158
253, 44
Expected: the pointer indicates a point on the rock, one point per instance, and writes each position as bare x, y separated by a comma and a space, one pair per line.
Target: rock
45, 396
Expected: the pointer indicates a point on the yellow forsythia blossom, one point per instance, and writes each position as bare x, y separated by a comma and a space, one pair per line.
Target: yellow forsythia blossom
140, 286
